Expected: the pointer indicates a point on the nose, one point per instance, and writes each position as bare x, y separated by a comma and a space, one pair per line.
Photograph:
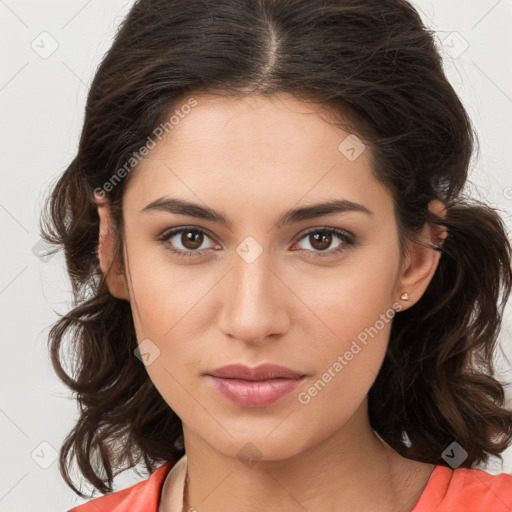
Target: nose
255, 301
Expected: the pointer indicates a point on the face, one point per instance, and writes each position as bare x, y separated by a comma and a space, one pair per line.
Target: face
311, 292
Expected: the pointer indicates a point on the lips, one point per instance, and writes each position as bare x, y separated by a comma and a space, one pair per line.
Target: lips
254, 387
261, 372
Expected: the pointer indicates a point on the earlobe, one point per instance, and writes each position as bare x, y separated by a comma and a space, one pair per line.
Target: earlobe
422, 260
105, 252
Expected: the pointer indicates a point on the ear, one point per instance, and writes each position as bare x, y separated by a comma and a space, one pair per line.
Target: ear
421, 262
111, 269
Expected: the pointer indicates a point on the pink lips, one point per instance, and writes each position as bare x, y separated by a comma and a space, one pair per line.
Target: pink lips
254, 387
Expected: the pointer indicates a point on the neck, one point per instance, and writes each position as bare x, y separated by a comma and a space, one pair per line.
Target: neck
353, 467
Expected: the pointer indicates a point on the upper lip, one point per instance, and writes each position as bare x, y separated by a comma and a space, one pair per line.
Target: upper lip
261, 372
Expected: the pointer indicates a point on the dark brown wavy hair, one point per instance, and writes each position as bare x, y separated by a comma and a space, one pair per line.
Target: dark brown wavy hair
375, 63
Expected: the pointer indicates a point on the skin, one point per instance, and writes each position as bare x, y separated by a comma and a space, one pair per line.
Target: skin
252, 159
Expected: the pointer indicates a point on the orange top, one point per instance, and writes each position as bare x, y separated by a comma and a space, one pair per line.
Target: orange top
447, 490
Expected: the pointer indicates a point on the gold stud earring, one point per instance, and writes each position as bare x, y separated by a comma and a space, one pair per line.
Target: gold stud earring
405, 296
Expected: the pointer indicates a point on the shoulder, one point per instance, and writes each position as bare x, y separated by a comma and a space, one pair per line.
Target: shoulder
466, 490
143, 496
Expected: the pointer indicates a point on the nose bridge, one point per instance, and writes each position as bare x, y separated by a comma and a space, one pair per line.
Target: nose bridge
253, 305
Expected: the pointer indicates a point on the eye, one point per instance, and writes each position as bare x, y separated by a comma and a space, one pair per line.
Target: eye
320, 239
187, 241
184, 241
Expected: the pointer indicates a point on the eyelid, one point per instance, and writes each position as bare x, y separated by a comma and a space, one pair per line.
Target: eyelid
167, 233
338, 231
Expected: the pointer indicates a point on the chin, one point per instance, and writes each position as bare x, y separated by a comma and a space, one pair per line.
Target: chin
251, 445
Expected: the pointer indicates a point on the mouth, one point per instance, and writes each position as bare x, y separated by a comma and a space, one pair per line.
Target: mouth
254, 387
261, 372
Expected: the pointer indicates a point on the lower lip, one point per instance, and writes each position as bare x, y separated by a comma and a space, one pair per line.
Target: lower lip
257, 393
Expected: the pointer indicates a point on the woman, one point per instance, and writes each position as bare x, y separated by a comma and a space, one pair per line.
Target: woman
284, 298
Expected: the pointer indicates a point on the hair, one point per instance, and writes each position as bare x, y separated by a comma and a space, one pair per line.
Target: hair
377, 65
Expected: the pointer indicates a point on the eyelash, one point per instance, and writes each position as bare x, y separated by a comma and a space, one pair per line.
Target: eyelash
347, 239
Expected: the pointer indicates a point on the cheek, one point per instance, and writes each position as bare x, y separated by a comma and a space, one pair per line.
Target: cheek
171, 315
345, 300
347, 357
350, 316
168, 310
169, 297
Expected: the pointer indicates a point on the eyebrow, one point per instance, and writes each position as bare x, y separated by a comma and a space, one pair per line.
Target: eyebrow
182, 207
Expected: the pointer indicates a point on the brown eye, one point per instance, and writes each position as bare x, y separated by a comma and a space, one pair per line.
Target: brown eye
191, 239
321, 240
186, 241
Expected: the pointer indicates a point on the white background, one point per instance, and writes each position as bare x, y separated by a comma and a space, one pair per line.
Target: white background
42, 101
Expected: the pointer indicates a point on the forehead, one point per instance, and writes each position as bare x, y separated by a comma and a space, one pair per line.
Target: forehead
258, 150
